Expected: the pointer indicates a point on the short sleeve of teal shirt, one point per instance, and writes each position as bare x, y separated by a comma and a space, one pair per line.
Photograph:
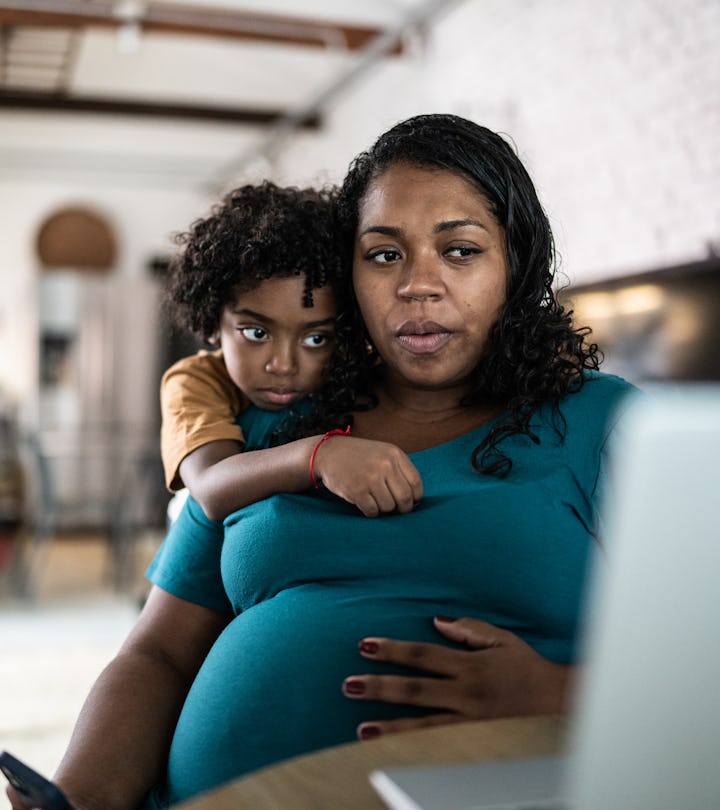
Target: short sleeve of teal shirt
187, 565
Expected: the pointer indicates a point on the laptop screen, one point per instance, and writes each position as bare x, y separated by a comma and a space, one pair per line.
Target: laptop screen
648, 719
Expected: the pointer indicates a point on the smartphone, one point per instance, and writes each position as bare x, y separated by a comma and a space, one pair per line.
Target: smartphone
34, 790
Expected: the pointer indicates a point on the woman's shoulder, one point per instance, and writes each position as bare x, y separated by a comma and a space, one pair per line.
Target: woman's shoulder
601, 385
600, 399
259, 427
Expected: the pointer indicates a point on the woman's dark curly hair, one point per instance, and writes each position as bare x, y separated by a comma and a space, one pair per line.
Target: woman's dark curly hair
257, 232
534, 354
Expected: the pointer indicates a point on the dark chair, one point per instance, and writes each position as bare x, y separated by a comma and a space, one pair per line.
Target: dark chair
133, 501
37, 521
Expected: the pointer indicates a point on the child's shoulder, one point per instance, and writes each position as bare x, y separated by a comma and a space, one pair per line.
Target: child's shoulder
203, 361
201, 375
204, 367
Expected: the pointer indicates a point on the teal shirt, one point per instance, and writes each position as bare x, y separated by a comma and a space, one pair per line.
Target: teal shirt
307, 576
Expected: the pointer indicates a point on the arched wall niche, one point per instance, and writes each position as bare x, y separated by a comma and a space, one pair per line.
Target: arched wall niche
76, 238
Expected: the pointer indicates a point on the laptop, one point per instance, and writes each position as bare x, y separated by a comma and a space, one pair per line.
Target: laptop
646, 732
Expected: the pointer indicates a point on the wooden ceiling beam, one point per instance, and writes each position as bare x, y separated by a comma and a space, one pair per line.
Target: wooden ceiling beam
195, 21
57, 102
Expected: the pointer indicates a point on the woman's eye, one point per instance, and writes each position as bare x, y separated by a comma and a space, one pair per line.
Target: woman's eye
462, 251
383, 256
316, 341
254, 333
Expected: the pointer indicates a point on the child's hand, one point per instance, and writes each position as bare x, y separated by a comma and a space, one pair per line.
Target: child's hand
374, 476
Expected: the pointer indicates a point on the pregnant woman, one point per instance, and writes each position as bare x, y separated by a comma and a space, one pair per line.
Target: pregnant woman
247, 650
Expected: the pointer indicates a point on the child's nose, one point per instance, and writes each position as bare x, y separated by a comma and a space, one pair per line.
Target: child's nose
282, 360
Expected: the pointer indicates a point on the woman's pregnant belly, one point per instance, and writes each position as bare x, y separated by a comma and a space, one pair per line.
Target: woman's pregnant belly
270, 687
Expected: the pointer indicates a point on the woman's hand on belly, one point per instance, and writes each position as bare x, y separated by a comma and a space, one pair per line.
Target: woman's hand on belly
500, 675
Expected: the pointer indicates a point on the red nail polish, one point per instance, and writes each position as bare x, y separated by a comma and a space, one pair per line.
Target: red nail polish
369, 732
445, 619
369, 647
354, 687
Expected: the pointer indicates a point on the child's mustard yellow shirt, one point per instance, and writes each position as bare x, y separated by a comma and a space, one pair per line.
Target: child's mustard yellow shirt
199, 404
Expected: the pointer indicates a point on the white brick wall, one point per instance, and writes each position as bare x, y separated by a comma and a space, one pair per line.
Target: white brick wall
615, 107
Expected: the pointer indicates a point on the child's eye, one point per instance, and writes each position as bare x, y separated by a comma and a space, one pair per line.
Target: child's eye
316, 341
256, 334
383, 255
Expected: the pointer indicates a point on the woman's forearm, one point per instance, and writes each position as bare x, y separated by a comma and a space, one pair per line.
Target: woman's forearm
121, 739
122, 735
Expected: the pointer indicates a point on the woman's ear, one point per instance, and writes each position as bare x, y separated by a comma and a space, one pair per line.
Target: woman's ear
214, 338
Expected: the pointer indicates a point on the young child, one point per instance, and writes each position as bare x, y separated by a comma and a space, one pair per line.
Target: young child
261, 279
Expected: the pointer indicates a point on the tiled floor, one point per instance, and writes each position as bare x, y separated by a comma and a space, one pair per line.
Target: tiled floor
53, 648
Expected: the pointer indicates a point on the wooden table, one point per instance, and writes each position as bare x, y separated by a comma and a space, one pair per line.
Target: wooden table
337, 778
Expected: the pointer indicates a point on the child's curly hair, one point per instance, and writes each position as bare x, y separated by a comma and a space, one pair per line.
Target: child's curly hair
257, 232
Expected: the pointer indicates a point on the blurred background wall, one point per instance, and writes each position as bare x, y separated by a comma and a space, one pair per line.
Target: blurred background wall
614, 107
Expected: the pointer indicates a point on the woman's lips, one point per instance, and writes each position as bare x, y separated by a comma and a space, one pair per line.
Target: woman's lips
422, 337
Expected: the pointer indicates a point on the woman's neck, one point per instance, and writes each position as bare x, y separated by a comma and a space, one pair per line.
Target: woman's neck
421, 407
416, 419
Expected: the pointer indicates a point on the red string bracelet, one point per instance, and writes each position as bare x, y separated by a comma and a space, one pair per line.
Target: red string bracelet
329, 434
